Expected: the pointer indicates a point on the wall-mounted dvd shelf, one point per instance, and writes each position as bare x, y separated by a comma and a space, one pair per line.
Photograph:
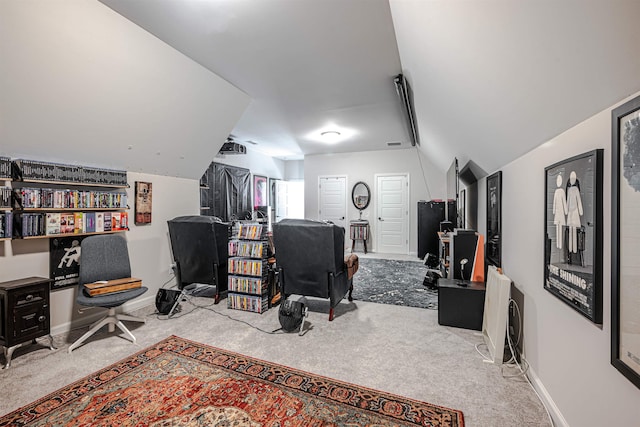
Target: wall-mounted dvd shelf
52, 200
48, 236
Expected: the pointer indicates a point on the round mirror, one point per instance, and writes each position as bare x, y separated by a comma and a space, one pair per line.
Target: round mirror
360, 195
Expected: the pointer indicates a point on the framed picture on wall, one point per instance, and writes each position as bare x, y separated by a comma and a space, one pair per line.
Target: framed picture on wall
625, 240
64, 261
494, 219
143, 203
272, 192
573, 233
462, 209
260, 191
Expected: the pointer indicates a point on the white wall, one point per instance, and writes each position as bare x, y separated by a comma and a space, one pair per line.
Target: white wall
294, 170
256, 162
82, 84
148, 249
363, 167
569, 355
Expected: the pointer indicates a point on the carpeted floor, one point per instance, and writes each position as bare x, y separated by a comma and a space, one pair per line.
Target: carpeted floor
395, 282
186, 383
395, 349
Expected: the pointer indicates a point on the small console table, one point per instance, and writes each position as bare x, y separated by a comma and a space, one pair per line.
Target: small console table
24, 309
461, 306
359, 230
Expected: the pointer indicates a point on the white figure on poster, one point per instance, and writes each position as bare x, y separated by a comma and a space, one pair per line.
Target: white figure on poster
574, 209
72, 255
559, 210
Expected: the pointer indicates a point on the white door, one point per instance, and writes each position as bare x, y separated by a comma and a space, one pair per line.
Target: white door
392, 222
332, 205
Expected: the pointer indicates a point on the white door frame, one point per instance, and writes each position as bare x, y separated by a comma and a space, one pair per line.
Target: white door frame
375, 191
346, 193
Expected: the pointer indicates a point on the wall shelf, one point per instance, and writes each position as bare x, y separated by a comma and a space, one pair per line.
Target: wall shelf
37, 186
71, 183
49, 236
18, 210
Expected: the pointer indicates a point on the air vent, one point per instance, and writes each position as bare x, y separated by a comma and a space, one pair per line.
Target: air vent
394, 144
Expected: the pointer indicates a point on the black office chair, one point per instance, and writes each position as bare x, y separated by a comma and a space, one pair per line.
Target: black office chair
105, 257
310, 260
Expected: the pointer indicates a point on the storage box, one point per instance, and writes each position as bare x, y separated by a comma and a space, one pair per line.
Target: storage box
111, 286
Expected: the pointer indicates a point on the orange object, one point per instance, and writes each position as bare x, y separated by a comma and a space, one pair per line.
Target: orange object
477, 275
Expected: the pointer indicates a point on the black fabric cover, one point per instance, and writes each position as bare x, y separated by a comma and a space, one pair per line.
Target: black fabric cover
226, 192
200, 246
310, 257
105, 257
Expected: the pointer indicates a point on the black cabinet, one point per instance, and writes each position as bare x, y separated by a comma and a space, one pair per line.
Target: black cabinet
430, 214
24, 313
461, 306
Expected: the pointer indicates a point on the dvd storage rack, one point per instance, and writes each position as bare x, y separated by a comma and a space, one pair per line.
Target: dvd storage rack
5, 198
32, 170
5, 168
54, 200
248, 268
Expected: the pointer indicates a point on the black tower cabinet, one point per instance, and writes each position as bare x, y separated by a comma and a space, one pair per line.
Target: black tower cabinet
429, 216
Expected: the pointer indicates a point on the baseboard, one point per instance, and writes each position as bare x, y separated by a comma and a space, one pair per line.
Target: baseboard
558, 419
90, 317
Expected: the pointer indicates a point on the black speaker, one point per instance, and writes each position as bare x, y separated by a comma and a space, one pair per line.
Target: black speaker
429, 216
166, 299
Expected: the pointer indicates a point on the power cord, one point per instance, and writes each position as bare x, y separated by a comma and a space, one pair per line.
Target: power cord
514, 359
190, 300
424, 176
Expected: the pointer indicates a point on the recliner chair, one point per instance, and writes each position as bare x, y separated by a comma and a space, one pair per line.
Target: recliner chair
200, 250
105, 257
310, 260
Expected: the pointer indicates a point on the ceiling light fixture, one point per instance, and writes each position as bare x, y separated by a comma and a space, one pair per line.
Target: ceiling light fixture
330, 136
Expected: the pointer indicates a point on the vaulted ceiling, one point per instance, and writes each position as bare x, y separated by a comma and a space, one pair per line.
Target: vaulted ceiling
491, 79
157, 85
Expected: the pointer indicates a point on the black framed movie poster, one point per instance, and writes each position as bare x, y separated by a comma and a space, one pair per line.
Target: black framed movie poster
64, 261
494, 219
625, 240
143, 194
462, 209
273, 192
573, 233
259, 191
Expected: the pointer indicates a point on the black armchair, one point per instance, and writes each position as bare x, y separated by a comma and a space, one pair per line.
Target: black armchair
310, 260
200, 251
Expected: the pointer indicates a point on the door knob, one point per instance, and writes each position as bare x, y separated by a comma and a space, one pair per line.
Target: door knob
380, 219
342, 218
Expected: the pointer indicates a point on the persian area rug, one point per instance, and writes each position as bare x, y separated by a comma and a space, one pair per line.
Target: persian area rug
183, 383
393, 282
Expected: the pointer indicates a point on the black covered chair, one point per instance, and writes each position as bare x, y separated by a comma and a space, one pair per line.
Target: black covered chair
310, 260
200, 251
105, 257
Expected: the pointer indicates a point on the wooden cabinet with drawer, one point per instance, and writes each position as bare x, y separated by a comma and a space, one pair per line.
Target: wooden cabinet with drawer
24, 313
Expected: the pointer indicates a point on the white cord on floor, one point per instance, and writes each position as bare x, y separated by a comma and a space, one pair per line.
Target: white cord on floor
514, 360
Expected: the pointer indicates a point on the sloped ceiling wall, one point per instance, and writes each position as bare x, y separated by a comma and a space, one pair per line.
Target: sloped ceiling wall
81, 84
